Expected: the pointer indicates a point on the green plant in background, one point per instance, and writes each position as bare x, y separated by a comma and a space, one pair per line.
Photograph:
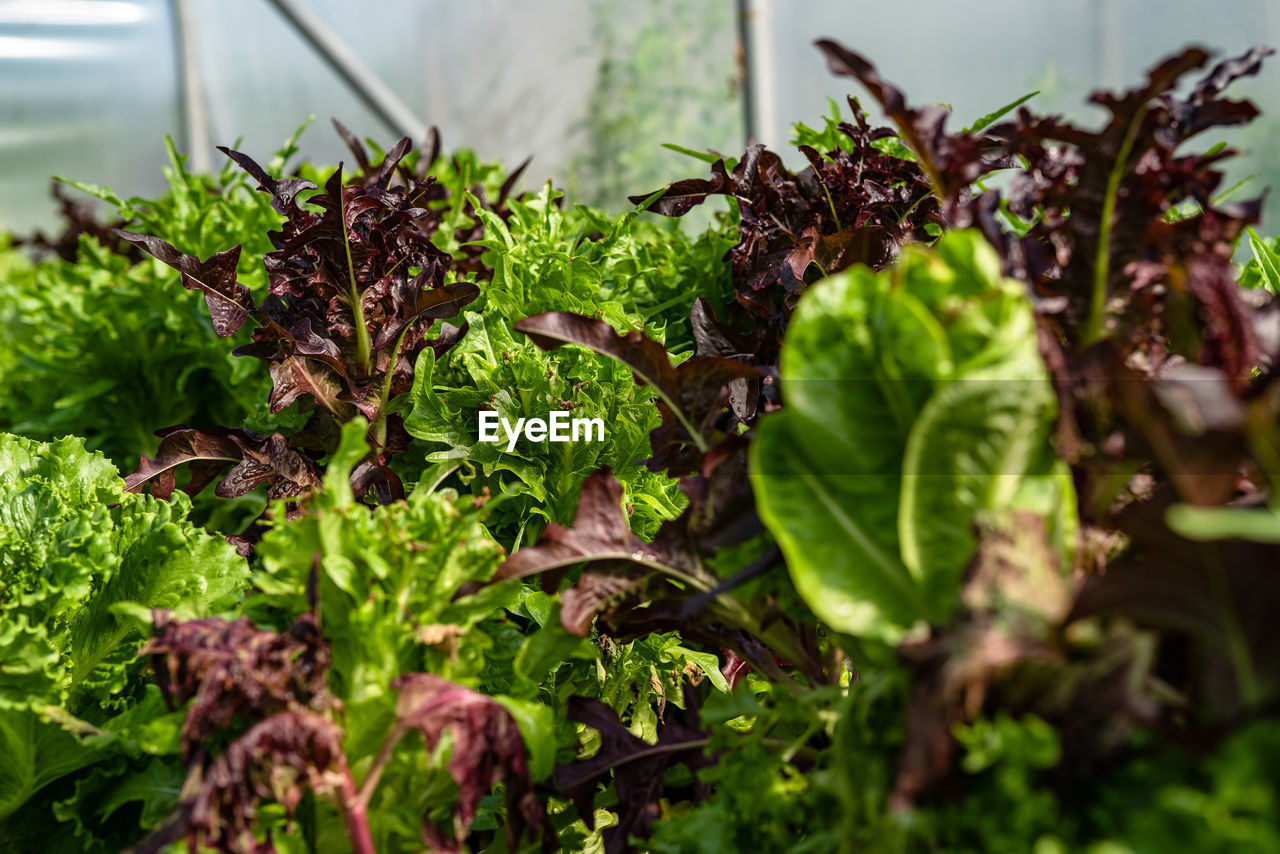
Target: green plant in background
634, 275
633, 272
72, 331
1263, 269
102, 342
518, 381
666, 72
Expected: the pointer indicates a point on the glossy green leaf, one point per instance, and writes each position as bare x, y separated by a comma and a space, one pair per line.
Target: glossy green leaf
1267, 261
916, 400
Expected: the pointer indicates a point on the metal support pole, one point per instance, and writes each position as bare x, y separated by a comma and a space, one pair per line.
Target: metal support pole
744, 68
759, 90
366, 84
195, 114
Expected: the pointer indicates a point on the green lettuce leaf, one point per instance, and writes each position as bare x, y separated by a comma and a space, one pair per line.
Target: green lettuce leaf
916, 400
79, 557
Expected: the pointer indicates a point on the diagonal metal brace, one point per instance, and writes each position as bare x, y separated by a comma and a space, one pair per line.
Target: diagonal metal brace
367, 85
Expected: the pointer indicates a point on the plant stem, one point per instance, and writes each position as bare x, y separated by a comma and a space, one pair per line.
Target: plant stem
832, 205
356, 817
380, 426
660, 749
1236, 641
371, 779
694, 433
1102, 256
363, 348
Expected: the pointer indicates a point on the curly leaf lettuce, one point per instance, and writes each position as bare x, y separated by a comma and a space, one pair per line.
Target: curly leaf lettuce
78, 557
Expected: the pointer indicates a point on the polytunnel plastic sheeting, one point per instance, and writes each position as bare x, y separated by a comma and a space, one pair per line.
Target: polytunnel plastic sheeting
590, 88
979, 56
86, 90
502, 78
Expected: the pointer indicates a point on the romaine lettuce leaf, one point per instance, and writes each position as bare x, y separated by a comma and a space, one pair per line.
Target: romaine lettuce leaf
916, 400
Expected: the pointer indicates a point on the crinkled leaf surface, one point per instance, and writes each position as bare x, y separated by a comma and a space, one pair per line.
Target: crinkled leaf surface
74, 546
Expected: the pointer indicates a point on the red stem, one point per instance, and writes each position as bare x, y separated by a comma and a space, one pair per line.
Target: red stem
356, 816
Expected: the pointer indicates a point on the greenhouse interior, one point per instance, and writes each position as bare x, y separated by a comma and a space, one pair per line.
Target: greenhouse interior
662, 426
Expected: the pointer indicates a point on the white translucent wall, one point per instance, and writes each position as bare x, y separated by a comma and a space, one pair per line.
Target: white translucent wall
591, 88
86, 90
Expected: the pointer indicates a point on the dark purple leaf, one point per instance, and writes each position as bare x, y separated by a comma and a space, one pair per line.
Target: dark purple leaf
513, 177
208, 453
412, 302
710, 336
606, 582
236, 672
487, 749
637, 767
393, 157
229, 302
295, 376
599, 533
354, 145
286, 472
627, 582
77, 217
951, 161
252, 460
283, 191
1102, 237
371, 477
278, 759
680, 197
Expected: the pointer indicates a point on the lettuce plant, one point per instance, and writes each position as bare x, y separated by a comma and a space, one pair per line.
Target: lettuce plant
341, 325
923, 502
916, 401
79, 559
76, 328
629, 273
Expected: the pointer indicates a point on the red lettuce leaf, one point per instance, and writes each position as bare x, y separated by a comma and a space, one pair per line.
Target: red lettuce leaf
235, 673
229, 302
242, 459
487, 749
278, 759
637, 767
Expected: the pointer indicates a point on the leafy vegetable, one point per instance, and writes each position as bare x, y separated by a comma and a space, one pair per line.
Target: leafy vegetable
644, 587
689, 397
487, 747
826, 585
637, 766
76, 331
544, 260
77, 555
516, 381
348, 287
916, 400
1264, 269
